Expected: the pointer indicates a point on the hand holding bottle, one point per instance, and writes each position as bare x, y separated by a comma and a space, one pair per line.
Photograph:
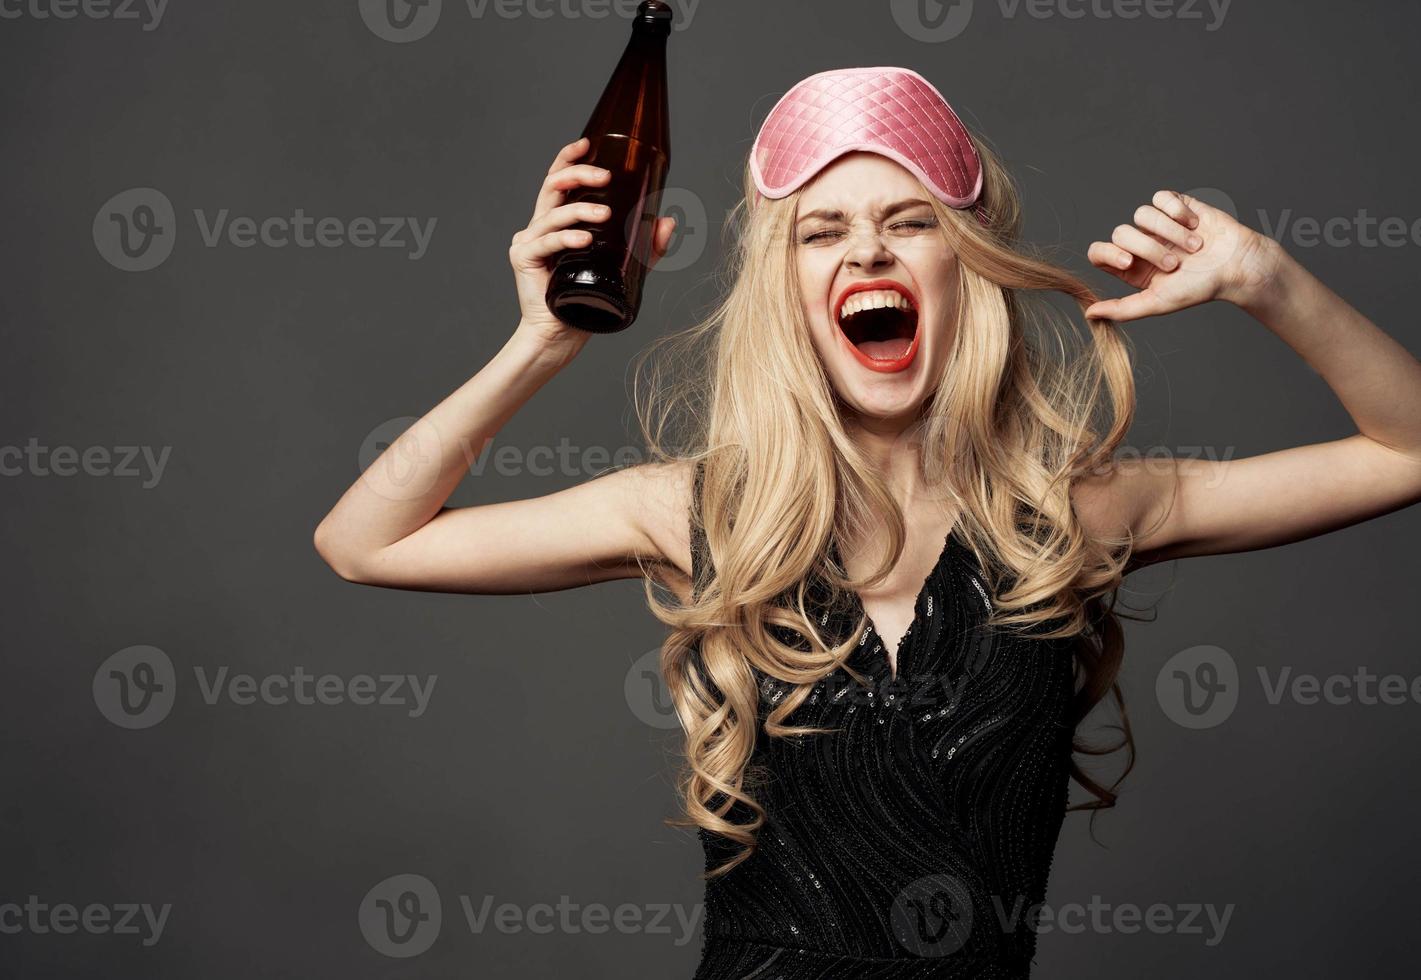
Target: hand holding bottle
536, 247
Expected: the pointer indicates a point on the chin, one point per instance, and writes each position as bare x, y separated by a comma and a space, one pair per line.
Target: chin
882, 403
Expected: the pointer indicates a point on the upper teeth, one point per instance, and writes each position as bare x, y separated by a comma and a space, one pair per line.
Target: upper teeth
874, 300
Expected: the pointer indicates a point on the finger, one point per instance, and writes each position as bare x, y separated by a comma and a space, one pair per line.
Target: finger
565, 156
1177, 206
1109, 256
1162, 226
557, 184
531, 254
661, 241
1202, 209
1136, 306
564, 215
564, 175
569, 153
1136, 242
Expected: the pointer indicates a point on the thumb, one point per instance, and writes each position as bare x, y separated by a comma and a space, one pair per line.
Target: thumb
665, 231
1136, 306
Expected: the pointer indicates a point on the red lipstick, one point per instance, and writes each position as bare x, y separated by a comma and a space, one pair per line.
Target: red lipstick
881, 364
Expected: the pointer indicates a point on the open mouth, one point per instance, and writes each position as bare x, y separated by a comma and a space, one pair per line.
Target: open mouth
881, 324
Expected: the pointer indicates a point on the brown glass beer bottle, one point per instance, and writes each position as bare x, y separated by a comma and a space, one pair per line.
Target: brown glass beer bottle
598, 288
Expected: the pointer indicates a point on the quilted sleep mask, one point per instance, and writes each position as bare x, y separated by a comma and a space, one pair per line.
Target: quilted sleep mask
894, 112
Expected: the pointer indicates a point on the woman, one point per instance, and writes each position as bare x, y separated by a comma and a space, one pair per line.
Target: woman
895, 540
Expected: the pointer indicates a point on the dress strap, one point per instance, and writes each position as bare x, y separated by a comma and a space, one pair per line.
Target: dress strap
700, 548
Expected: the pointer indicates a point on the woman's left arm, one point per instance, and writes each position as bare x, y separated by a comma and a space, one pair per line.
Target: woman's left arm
1181, 252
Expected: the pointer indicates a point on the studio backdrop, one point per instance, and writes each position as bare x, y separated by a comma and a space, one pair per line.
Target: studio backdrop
246, 245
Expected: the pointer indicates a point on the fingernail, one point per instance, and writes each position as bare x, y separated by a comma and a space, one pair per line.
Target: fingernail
1170, 261
1123, 262
1195, 241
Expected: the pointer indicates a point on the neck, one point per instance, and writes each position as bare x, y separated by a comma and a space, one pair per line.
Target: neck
891, 446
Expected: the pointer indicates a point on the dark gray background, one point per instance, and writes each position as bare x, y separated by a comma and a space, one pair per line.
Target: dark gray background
529, 777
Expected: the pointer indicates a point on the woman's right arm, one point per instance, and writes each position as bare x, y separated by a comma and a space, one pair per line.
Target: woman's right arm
391, 528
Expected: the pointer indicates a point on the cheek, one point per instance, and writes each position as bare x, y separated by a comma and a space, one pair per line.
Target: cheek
814, 295
939, 277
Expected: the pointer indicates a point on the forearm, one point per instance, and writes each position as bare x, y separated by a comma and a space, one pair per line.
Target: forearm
1377, 380
410, 482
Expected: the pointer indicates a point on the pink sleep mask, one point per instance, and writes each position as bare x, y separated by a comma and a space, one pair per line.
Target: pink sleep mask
894, 112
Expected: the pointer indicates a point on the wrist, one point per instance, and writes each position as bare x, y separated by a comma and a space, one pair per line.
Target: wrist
547, 346
1269, 273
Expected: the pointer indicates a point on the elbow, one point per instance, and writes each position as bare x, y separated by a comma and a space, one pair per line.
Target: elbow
340, 559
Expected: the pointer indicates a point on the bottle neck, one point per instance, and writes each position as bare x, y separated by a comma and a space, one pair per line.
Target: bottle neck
654, 18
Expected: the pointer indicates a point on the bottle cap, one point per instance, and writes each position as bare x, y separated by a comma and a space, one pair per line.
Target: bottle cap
655, 13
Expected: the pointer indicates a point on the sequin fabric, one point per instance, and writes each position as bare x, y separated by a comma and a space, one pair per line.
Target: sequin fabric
912, 842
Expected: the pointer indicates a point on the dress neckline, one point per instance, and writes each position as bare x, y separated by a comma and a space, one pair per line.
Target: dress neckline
896, 664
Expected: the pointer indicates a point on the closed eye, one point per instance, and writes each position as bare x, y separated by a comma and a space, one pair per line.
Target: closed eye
914, 224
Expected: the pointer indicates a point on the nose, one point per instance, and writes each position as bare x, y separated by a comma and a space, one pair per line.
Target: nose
866, 250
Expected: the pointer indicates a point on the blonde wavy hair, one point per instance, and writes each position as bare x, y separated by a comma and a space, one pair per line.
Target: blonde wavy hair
1015, 419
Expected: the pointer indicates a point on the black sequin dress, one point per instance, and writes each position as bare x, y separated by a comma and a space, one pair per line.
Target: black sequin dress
914, 841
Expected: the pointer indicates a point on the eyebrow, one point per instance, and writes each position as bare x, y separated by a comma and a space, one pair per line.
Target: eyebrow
833, 214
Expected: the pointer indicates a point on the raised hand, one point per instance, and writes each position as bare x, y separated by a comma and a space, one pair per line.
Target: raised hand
535, 248
1182, 252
